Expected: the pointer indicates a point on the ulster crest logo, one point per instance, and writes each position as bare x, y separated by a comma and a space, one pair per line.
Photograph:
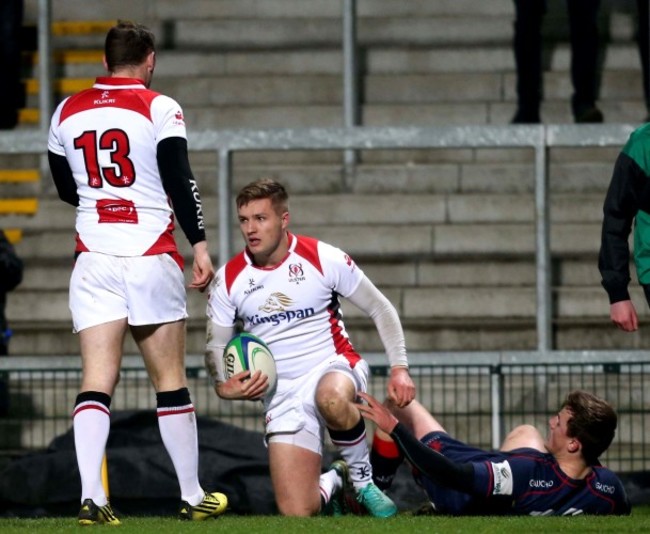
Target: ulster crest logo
296, 274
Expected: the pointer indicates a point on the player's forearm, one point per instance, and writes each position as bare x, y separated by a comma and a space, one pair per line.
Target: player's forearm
217, 339
213, 363
373, 302
431, 463
625, 196
180, 185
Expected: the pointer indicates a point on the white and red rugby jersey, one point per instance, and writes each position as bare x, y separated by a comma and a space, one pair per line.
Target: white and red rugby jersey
293, 306
109, 134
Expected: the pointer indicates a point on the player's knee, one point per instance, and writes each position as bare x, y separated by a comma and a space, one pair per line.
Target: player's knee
523, 436
332, 404
334, 396
298, 509
524, 431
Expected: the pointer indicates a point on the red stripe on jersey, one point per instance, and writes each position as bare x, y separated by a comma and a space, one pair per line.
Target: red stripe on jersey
166, 244
235, 266
80, 247
137, 99
307, 247
490, 487
116, 210
342, 344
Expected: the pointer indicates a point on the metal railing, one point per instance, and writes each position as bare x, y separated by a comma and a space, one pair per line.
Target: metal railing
478, 399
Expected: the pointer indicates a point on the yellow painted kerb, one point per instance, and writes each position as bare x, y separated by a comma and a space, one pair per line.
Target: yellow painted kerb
74, 57
19, 175
28, 116
81, 27
13, 235
25, 206
64, 85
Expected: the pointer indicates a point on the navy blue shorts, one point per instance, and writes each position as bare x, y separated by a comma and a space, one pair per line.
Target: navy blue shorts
444, 500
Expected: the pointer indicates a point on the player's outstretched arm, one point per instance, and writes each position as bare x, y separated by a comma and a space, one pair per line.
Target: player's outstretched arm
400, 387
378, 413
429, 462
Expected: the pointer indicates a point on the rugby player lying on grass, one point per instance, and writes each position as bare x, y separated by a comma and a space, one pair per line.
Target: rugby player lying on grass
529, 475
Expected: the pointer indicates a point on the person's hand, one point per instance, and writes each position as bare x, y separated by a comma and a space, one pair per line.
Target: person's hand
202, 269
377, 413
244, 386
401, 389
623, 315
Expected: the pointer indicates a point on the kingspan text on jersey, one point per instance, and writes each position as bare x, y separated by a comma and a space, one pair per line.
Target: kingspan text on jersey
277, 318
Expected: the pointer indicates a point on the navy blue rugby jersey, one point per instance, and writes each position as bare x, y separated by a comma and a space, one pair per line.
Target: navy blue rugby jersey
522, 482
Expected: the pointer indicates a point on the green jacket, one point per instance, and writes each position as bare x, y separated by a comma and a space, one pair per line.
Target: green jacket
627, 202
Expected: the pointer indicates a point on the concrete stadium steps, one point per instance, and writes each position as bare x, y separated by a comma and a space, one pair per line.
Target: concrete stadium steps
84, 63
309, 32
52, 274
442, 224
447, 233
441, 114
451, 263
277, 99
280, 23
573, 273
388, 241
19, 199
463, 171
436, 171
201, 9
447, 318
442, 62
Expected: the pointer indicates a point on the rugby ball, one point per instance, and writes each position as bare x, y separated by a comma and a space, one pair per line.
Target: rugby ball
247, 352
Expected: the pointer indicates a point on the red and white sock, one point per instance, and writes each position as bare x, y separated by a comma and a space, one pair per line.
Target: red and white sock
177, 424
91, 422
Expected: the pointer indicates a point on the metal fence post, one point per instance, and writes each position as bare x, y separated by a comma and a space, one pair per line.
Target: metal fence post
45, 96
542, 245
350, 75
45, 63
225, 210
496, 392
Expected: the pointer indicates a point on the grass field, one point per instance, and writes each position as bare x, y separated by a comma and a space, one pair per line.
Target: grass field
639, 521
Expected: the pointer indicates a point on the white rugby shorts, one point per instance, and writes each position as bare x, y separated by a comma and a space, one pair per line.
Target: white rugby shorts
292, 416
144, 289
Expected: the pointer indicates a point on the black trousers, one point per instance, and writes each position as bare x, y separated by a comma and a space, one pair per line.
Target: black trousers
4, 383
583, 26
11, 88
644, 43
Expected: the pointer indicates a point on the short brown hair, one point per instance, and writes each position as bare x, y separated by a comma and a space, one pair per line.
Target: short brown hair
593, 422
265, 188
128, 44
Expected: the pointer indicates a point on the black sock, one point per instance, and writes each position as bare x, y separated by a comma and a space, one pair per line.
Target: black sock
385, 458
